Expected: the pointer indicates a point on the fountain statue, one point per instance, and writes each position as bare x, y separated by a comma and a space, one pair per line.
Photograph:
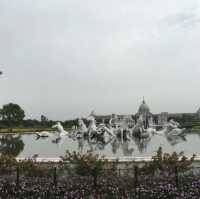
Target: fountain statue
43, 134
176, 139
81, 130
60, 130
81, 126
173, 128
140, 131
92, 128
102, 128
114, 120
122, 129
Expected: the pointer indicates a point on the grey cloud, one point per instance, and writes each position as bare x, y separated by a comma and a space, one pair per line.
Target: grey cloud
188, 18
65, 58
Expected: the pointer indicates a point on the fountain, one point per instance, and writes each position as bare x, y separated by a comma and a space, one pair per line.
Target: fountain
80, 131
43, 134
138, 135
123, 128
173, 128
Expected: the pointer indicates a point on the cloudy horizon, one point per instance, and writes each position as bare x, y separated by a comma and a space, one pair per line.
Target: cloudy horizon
65, 58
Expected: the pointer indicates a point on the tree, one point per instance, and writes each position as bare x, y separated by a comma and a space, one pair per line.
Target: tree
44, 118
12, 113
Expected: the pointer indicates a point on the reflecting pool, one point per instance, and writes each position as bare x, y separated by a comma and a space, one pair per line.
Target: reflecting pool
27, 145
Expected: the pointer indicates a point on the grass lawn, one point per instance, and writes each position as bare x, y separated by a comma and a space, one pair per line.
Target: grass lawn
196, 128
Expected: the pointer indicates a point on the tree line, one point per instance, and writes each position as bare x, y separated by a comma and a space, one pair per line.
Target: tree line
12, 115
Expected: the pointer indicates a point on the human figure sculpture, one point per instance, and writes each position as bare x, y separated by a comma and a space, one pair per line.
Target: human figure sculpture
92, 123
92, 128
113, 122
103, 128
81, 129
139, 130
140, 123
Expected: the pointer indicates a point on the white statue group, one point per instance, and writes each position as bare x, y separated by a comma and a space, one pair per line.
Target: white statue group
124, 128
57, 135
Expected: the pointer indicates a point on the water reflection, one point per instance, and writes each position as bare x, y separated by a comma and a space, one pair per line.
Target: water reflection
119, 144
26, 145
11, 145
174, 140
123, 145
80, 145
127, 150
98, 143
141, 143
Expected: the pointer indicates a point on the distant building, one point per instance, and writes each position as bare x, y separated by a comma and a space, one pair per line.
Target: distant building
144, 111
162, 118
149, 117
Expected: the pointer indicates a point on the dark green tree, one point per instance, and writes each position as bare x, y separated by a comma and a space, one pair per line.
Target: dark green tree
44, 118
12, 113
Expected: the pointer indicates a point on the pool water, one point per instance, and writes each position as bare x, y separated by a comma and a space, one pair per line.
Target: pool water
27, 145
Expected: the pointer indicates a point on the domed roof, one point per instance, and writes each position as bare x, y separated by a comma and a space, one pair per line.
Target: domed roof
144, 108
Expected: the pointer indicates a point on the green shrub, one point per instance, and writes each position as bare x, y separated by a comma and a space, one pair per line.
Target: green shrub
32, 169
168, 162
87, 164
7, 163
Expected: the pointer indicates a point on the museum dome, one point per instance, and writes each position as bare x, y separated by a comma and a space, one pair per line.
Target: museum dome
144, 108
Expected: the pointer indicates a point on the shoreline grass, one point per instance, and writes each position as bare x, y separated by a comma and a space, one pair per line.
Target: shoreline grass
196, 128
39, 129
26, 130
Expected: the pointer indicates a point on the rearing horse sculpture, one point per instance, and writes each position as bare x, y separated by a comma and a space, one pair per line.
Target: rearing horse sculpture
81, 126
92, 128
59, 128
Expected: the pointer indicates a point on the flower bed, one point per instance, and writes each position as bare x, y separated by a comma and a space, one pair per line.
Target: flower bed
110, 187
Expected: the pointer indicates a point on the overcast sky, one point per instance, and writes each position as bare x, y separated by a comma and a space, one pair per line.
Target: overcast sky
64, 58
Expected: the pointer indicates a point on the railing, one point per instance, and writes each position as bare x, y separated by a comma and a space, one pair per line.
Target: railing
138, 178
110, 159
